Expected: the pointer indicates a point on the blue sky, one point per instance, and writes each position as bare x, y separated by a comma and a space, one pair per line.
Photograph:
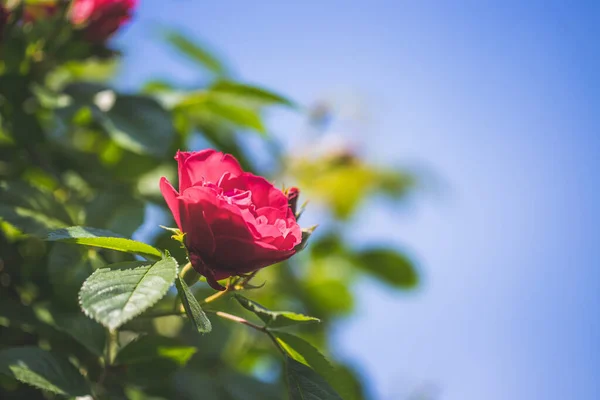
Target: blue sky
501, 99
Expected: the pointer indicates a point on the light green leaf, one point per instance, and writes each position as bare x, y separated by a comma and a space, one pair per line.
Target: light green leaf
192, 308
196, 52
44, 370
389, 266
240, 116
306, 384
102, 238
116, 295
248, 94
151, 347
274, 319
303, 352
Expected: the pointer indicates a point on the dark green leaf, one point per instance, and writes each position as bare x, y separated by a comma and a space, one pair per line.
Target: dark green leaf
274, 319
196, 52
303, 352
139, 124
306, 384
102, 238
87, 332
151, 347
116, 295
31, 209
192, 308
44, 370
68, 267
388, 265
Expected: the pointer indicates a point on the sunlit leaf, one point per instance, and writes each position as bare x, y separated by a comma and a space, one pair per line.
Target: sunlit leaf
192, 308
251, 95
44, 370
196, 52
31, 209
113, 296
303, 352
149, 348
240, 116
274, 319
104, 239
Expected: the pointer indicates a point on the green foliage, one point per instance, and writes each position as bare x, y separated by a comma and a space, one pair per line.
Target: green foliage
113, 296
147, 349
306, 384
196, 53
104, 239
192, 308
303, 352
31, 209
87, 332
43, 370
274, 319
388, 265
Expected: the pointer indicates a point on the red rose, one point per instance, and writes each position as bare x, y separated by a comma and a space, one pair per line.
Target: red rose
101, 18
235, 222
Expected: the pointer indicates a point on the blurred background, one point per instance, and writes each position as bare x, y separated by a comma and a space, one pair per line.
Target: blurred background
496, 104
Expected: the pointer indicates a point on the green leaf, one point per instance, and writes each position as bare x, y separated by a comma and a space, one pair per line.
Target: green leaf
87, 332
274, 319
148, 348
192, 307
240, 116
306, 233
44, 370
104, 239
389, 266
248, 94
306, 384
31, 209
139, 124
113, 296
196, 53
303, 352
29, 221
68, 267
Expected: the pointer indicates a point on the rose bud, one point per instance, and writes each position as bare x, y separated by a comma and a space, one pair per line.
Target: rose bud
234, 222
101, 18
292, 195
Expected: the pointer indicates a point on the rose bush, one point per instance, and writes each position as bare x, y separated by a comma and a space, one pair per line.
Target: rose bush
234, 222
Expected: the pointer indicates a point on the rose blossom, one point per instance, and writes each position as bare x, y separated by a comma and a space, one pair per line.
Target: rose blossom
101, 18
234, 222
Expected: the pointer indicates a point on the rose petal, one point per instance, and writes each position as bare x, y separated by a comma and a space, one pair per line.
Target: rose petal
264, 194
170, 195
206, 165
248, 256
